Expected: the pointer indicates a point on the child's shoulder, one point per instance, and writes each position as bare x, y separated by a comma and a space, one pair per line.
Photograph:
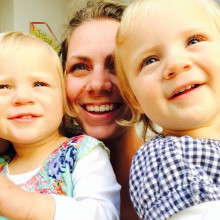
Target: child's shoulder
168, 140
85, 144
167, 145
81, 140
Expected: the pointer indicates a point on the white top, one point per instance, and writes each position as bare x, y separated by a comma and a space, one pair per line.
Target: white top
204, 211
96, 192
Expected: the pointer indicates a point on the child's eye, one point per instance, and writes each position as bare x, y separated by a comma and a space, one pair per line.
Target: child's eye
4, 86
195, 39
40, 84
148, 61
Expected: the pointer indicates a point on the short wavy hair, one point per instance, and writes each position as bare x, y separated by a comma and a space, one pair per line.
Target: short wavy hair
94, 10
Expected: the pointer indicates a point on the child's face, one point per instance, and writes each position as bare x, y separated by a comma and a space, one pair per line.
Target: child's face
31, 105
172, 61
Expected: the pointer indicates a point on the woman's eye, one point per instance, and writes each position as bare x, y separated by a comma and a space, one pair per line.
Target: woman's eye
78, 69
79, 66
195, 39
110, 65
4, 86
40, 84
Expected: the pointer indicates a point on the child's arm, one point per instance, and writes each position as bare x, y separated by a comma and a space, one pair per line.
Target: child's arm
95, 196
16, 203
96, 192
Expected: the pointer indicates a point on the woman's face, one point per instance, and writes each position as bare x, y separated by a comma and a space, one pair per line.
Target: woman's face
91, 83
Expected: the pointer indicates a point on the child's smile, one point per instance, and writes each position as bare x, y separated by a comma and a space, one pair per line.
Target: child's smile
173, 68
184, 90
24, 118
30, 95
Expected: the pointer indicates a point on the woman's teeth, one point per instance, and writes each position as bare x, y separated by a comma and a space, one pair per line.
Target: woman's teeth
99, 108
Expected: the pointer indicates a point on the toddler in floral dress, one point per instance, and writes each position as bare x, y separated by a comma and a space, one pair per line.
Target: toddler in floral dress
46, 175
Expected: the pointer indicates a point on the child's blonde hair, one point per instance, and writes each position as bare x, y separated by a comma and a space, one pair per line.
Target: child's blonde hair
136, 14
13, 40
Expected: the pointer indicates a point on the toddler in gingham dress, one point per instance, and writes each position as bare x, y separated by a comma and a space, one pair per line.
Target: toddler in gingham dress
168, 64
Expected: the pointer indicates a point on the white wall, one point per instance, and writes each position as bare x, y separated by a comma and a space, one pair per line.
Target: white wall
6, 15
17, 14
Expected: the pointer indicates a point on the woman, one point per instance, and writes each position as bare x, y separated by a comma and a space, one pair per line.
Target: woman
92, 87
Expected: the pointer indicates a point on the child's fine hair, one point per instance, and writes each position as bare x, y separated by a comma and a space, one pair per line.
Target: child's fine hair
10, 41
135, 15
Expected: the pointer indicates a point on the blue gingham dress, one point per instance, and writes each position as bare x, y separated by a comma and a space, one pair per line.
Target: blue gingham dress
169, 174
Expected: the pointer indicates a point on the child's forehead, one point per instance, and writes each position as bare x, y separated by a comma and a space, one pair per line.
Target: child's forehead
27, 56
161, 22
31, 51
150, 15
146, 9
24, 45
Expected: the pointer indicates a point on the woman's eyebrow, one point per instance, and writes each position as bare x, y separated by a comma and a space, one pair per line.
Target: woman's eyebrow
82, 58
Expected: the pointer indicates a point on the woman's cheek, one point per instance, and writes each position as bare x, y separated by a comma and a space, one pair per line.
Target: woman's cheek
74, 88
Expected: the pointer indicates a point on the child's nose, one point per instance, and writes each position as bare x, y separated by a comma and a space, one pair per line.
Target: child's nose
22, 97
176, 64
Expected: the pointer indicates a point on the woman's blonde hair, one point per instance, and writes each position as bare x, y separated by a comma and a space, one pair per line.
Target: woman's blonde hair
135, 13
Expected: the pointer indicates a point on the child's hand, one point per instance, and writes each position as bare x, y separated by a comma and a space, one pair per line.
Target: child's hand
16, 203
3, 146
11, 200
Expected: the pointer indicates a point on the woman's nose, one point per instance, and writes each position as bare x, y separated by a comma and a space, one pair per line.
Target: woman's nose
99, 82
176, 63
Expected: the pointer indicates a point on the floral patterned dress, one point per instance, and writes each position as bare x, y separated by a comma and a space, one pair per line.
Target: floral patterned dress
55, 176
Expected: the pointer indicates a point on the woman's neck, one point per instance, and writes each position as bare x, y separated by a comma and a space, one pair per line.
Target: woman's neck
123, 148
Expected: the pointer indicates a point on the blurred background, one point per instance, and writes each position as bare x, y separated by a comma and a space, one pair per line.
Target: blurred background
16, 15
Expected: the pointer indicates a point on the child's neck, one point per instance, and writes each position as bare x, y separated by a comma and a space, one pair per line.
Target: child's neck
209, 132
31, 156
